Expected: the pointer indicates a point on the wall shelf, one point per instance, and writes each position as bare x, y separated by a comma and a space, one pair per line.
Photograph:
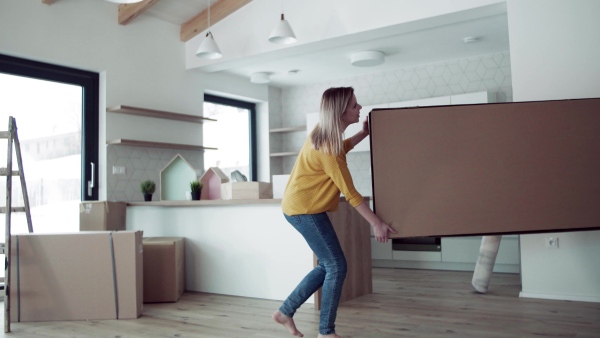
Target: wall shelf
289, 153
288, 129
122, 109
137, 143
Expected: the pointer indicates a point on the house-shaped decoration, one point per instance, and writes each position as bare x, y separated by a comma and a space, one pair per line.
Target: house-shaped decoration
175, 179
212, 180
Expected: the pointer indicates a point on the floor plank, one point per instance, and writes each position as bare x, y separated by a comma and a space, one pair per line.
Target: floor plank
405, 303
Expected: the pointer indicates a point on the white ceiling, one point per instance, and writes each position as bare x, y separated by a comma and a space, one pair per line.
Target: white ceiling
415, 43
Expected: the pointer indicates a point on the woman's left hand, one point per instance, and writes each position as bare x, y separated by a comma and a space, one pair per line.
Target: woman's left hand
365, 128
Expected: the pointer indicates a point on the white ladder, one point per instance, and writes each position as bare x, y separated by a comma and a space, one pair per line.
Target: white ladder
13, 139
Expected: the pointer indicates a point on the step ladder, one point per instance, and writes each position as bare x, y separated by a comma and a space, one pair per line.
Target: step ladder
13, 141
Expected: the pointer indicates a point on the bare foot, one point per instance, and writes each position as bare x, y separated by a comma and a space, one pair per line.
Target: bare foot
288, 322
328, 336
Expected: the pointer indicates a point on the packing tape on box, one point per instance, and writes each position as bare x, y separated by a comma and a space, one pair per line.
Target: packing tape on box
114, 270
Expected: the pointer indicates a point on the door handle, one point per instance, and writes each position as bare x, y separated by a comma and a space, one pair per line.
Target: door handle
92, 183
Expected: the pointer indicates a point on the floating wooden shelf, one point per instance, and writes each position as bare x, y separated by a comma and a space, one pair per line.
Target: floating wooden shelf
122, 109
137, 143
288, 129
289, 153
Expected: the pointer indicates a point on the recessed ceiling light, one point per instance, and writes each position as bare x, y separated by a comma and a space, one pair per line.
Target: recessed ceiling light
293, 71
470, 39
367, 58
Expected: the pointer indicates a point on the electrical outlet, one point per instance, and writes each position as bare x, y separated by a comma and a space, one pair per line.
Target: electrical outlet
551, 242
118, 170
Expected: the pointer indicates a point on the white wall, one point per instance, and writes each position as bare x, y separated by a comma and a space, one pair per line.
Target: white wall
554, 53
141, 64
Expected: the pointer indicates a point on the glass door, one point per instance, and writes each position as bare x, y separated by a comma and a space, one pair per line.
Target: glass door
48, 118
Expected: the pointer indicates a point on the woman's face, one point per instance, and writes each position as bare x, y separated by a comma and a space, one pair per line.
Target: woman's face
352, 113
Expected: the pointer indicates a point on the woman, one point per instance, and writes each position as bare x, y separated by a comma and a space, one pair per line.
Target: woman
314, 186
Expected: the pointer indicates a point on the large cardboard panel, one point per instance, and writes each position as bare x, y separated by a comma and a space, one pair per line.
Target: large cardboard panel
102, 216
164, 269
502, 168
129, 268
76, 276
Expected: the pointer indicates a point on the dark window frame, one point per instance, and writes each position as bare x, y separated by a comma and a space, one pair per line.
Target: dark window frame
251, 107
90, 82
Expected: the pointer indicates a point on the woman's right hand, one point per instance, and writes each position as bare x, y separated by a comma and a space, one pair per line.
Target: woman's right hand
382, 230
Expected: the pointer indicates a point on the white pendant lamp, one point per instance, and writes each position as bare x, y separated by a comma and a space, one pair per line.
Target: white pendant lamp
208, 48
125, 1
282, 33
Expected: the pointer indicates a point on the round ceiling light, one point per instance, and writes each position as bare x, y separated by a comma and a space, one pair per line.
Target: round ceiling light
367, 58
260, 77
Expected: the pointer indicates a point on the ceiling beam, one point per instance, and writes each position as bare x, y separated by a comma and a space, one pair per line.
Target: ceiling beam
48, 2
220, 10
129, 12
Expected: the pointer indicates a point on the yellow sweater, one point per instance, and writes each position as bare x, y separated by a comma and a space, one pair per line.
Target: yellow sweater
316, 181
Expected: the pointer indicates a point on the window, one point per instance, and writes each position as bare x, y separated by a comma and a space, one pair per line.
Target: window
56, 111
234, 134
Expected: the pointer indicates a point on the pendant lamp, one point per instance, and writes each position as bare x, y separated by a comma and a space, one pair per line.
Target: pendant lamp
208, 48
282, 33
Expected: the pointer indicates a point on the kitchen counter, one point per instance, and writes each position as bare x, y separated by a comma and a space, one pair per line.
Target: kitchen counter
247, 248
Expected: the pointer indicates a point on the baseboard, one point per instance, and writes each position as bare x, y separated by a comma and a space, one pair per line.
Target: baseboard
452, 266
591, 299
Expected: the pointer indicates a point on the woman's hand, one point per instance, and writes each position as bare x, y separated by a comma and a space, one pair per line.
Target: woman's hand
365, 128
381, 231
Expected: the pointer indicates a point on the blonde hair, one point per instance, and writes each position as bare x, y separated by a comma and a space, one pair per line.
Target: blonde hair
327, 134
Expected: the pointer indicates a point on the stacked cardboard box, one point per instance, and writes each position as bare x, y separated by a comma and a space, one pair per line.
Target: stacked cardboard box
76, 276
102, 216
246, 190
164, 269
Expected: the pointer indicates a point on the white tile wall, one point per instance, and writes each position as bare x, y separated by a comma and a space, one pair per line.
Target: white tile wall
142, 164
489, 72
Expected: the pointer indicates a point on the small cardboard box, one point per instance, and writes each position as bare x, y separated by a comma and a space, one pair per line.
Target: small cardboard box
102, 216
246, 190
76, 276
164, 269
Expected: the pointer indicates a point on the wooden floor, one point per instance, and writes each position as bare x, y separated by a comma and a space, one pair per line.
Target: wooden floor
405, 303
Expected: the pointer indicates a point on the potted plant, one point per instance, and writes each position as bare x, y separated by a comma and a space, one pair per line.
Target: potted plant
148, 187
196, 188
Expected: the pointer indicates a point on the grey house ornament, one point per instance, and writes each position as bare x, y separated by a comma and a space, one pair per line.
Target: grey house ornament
237, 176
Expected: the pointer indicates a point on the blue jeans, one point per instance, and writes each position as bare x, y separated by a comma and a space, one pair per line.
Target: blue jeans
329, 273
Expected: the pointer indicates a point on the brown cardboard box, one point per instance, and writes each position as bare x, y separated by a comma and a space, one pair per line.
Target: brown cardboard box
246, 190
102, 216
76, 276
164, 269
498, 168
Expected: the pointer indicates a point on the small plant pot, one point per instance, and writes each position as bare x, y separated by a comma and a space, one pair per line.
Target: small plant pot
196, 195
147, 197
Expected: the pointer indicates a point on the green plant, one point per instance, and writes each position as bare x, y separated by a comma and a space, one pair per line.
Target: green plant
195, 186
148, 187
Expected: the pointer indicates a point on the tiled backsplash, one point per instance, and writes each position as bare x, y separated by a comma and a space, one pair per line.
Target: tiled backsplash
489, 72
142, 163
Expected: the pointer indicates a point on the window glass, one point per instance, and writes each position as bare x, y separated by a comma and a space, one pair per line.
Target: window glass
232, 134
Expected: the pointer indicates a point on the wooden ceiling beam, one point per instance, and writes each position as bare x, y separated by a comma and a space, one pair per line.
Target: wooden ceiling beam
48, 2
128, 12
220, 10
